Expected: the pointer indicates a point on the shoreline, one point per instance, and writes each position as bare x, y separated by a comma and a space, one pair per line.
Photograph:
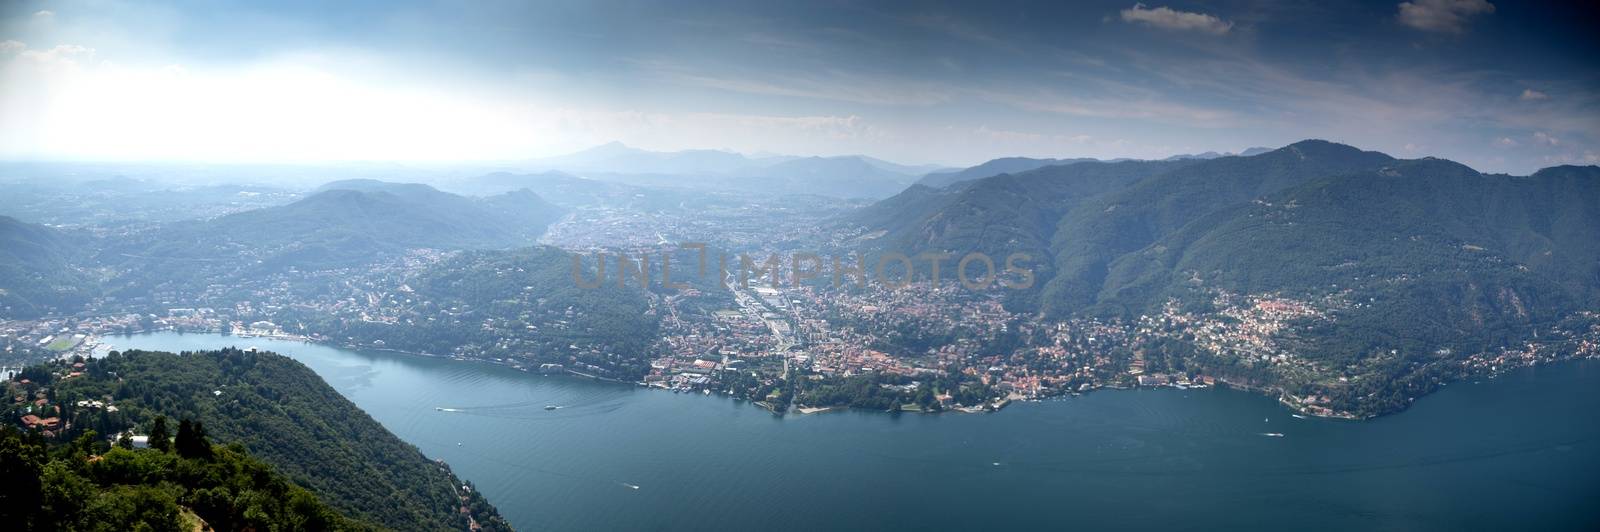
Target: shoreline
1273, 392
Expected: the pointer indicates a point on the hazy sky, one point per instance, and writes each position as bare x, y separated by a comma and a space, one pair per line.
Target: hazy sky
1499, 86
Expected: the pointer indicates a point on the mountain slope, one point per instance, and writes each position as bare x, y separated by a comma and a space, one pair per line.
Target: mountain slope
849, 176
1536, 237
1005, 165
1097, 232
1412, 270
36, 272
558, 187
287, 416
999, 215
345, 223
83, 486
540, 315
840, 177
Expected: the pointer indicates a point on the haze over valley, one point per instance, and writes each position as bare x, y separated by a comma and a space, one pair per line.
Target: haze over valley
579, 266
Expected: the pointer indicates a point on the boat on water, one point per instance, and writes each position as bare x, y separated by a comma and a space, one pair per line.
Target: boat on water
551, 407
1273, 434
1297, 416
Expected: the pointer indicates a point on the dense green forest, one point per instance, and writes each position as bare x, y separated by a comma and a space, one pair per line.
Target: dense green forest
279, 411
186, 483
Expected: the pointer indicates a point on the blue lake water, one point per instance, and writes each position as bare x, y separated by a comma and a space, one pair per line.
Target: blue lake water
1518, 452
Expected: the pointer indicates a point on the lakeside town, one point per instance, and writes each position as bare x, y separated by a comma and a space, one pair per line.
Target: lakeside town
923, 347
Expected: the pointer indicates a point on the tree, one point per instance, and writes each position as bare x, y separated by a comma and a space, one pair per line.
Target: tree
158, 435
201, 439
183, 442
124, 440
86, 444
21, 464
191, 441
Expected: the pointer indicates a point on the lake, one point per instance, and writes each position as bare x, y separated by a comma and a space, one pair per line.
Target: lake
1517, 452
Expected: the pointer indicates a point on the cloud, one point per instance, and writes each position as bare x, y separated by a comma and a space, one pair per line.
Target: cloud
44, 14
1172, 19
1587, 157
1545, 138
1505, 142
61, 54
1444, 16
1530, 95
960, 29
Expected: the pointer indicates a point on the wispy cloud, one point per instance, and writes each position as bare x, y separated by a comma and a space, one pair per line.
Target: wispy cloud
1172, 19
58, 55
960, 29
1531, 95
1446, 16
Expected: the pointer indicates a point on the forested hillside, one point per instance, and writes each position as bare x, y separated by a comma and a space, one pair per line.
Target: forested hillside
283, 413
1359, 279
520, 305
37, 273
1097, 232
1440, 256
189, 484
999, 215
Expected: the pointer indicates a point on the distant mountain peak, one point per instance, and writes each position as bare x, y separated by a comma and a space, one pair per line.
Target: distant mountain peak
1318, 149
1319, 144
